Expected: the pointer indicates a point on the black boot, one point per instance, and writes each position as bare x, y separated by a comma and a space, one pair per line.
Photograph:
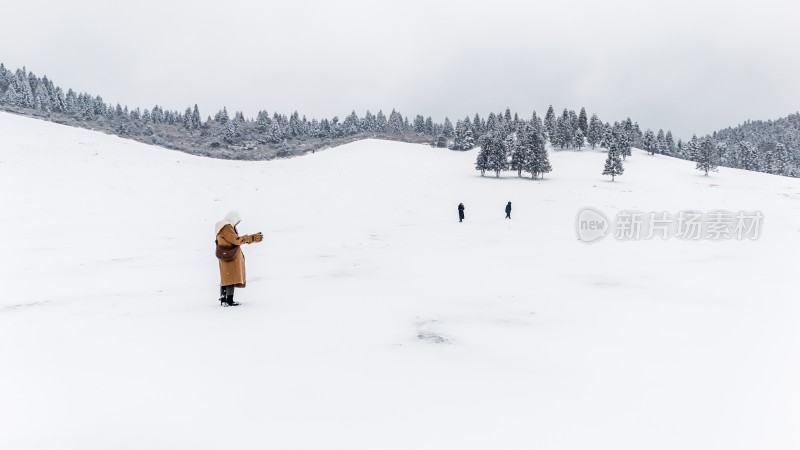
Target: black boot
230, 302
222, 299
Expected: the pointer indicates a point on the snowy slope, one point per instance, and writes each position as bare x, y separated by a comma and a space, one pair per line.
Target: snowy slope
372, 318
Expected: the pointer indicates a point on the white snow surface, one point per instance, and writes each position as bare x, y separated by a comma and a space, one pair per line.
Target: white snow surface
372, 319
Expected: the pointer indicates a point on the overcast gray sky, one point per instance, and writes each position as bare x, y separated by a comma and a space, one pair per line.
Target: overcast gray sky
688, 66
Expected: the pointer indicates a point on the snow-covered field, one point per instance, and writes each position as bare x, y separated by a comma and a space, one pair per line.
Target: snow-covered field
372, 318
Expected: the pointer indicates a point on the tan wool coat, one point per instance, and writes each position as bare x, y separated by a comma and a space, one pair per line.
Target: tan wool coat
232, 272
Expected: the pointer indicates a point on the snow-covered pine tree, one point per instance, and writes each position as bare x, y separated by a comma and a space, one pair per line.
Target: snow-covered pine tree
111, 114
448, 130
578, 139
33, 82
627, 136
263, 121
350, 126
616, 144
100, 107
336, 127
324, 128
197, 120
498, 158
26, 90
74, 106
706, 157
87, 108
503, 126
15, 94
522, 152
670, 143
469, 139
395, 124
294, 124
458, 136
564, 130
492, 155
538, 159
4, 79
536, 122
477, 128
722, 154
613, 164
550, 123
633, 136
556, 137
222, 116
187, 118
37, 103
570, 125
766, 155
649, 142
608, 133
59, 103
661, 142
519, 153
381, 122
463, 139
366, 124
231, 135
482, 161
583, 122
691, 148
42, 99
156, 115
429, 130
595, 132
238, 123
275, 134
573, 120
782, 161
419, 124
747, 156
315, 129
491, 124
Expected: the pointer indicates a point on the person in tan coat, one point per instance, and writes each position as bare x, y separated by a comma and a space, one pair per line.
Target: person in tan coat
232, 273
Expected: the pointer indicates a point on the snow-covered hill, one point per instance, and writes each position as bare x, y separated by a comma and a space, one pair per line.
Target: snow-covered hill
372, 318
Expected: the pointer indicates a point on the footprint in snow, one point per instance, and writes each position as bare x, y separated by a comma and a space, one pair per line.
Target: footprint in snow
426, 332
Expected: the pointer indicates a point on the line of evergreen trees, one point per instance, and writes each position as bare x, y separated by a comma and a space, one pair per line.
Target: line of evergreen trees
513, 144
709, 152
764, 146
507, 142
522, 141
518, 145
771, 146
23, 92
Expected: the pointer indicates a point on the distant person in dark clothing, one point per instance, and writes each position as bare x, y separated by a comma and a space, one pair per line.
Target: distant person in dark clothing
508, 210
460, 212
